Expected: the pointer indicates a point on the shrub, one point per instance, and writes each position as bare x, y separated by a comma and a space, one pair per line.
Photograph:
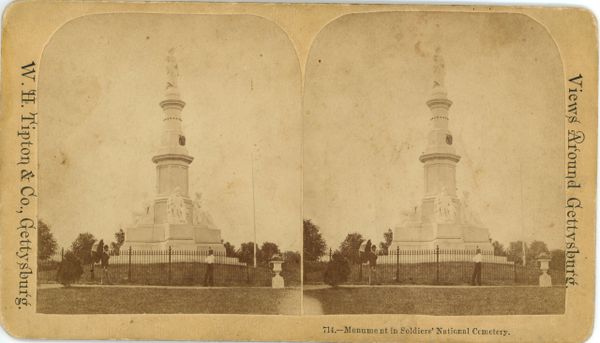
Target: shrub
338, 270
69, 270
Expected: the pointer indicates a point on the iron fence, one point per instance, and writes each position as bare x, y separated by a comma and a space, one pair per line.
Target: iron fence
436, 267
167, 267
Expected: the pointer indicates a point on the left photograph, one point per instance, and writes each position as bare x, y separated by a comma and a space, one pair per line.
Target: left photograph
170, 166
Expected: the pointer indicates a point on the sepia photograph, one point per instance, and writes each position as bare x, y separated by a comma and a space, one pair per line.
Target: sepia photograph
431, 183
170, 167
271, 172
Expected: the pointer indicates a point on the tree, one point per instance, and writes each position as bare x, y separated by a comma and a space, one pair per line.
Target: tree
557, 261
350, 246
230, 250
388, 237
246, 253
292, 257
514, 252
267, 251
69, 269
498, 249
46, 243
120, 239
314, 244
535, 249
96, 254
337, 271
82, 246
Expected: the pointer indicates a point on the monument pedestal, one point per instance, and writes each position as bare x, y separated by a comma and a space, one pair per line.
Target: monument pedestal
176, 236
277, 282
545, 280
427, 229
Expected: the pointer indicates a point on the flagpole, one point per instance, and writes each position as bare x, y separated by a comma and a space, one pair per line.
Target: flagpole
253, 211
522, 232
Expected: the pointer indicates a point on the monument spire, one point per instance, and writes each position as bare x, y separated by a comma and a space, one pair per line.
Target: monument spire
172, 158
440, 157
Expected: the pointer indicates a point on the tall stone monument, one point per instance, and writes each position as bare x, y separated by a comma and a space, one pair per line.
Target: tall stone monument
443, 218
173, 219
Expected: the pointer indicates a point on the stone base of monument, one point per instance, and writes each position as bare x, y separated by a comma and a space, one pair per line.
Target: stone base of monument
545, 280
445, 236
178, 237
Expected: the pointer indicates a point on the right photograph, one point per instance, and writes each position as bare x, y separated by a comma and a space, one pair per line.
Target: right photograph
434, 154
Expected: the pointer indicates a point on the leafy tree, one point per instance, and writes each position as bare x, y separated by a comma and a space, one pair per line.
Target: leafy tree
46, 243
557, 261
246, 253
120, 239
230, 250
96, 255
498, 249
514, 252
535, 249
82, 246
267, 251
292, 257
384, 246
314, 244
350, 246
69, 269
337, 271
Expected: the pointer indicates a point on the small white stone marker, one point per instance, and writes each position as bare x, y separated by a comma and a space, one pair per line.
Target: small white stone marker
545, 279
277, 281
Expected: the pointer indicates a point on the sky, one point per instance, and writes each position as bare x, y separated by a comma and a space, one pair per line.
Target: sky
349, 140
368, 77
102, 78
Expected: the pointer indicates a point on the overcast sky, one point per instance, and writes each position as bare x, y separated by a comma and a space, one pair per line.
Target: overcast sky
366, 122
101, 80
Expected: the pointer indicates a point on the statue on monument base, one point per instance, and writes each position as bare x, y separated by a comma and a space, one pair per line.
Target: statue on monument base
201, 217
176, 210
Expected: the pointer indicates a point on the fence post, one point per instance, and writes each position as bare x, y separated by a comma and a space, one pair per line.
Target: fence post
437, 264
169, 265
515, 271
329, 254
62, 254
398, 264
129, 265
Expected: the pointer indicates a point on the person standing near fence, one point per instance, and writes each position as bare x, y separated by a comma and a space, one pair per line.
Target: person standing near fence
477, 268
105, 277
372, 257
210, 263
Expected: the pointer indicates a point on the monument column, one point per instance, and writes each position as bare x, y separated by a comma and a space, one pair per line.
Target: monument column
440, 157
172, 159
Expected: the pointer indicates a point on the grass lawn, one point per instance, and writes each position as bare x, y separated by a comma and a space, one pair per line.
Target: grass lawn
439, 300
87, 300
